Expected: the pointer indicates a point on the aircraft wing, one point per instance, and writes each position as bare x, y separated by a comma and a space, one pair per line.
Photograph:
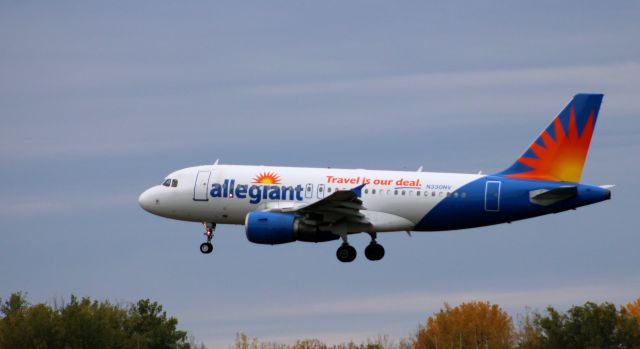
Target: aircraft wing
342, 206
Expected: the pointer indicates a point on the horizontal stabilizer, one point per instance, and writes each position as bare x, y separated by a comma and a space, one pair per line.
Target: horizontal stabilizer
546, 197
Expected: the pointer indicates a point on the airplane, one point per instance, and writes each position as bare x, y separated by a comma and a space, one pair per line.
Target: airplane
280, 205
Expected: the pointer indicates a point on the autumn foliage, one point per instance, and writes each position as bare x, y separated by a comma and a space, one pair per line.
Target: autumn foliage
633, 309
483, 325
86, 323
469, 325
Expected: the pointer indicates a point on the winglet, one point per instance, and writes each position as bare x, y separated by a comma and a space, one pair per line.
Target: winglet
358, 190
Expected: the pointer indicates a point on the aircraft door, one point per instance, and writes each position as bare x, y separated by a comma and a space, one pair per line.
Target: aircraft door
320, 191
308, 191
492, 196
201, 187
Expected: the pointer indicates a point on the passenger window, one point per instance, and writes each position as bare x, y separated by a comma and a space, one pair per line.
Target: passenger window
167, 182
329, 190
395, 192
366, 191
455, 195
373, 191
433, 193
418, 193
174, 183
403, 192
463, 195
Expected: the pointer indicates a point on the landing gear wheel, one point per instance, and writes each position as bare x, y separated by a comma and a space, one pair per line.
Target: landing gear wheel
206, 247
346, 253
374, 252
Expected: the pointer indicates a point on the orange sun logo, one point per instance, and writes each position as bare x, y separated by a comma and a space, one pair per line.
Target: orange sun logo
267, 178
562, 158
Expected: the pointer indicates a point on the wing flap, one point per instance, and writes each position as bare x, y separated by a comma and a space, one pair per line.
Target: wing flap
342, 206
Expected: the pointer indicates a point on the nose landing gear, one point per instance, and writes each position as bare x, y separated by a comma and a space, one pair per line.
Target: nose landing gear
207, 247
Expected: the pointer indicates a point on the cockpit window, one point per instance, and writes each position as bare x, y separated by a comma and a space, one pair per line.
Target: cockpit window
167, 182
174, 183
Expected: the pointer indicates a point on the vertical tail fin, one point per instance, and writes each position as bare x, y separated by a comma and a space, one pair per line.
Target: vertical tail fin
558, 154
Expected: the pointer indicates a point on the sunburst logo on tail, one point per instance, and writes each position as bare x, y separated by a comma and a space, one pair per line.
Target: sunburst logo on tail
559, 158
267, 178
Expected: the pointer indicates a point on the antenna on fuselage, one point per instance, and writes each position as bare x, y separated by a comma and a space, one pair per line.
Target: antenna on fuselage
216, 162
420, 169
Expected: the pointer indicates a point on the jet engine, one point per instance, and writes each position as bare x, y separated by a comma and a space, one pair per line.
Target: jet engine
271, 228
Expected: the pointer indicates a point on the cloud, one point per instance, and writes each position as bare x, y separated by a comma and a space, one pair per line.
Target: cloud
599, 77
422, 302
21, 207
381, 104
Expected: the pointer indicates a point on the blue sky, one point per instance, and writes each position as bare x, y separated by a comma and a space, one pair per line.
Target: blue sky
99, 101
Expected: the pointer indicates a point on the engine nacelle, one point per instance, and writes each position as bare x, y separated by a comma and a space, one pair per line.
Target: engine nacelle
272, 228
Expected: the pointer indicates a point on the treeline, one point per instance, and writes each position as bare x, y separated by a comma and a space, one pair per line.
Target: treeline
485, 325
83, 323
482, 325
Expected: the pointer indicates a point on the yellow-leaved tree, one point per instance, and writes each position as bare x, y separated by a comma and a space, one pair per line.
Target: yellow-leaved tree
468, 325
634, 309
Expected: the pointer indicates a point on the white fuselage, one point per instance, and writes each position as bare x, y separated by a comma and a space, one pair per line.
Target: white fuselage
225, 194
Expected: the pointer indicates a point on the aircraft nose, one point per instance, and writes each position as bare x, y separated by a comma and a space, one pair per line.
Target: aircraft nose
146, 200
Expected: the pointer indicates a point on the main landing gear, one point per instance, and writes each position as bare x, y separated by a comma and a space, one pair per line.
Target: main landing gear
375, 251
346, 253
207, 247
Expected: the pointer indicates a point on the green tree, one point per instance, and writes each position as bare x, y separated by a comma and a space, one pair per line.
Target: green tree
83, 323
26, 326
149, 327
92, 324
588, 326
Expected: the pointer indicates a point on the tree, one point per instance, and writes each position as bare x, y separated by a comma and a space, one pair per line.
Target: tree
26, 326
149, 327
83, 323
588, 326
527, 335
469, 325
633, 309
